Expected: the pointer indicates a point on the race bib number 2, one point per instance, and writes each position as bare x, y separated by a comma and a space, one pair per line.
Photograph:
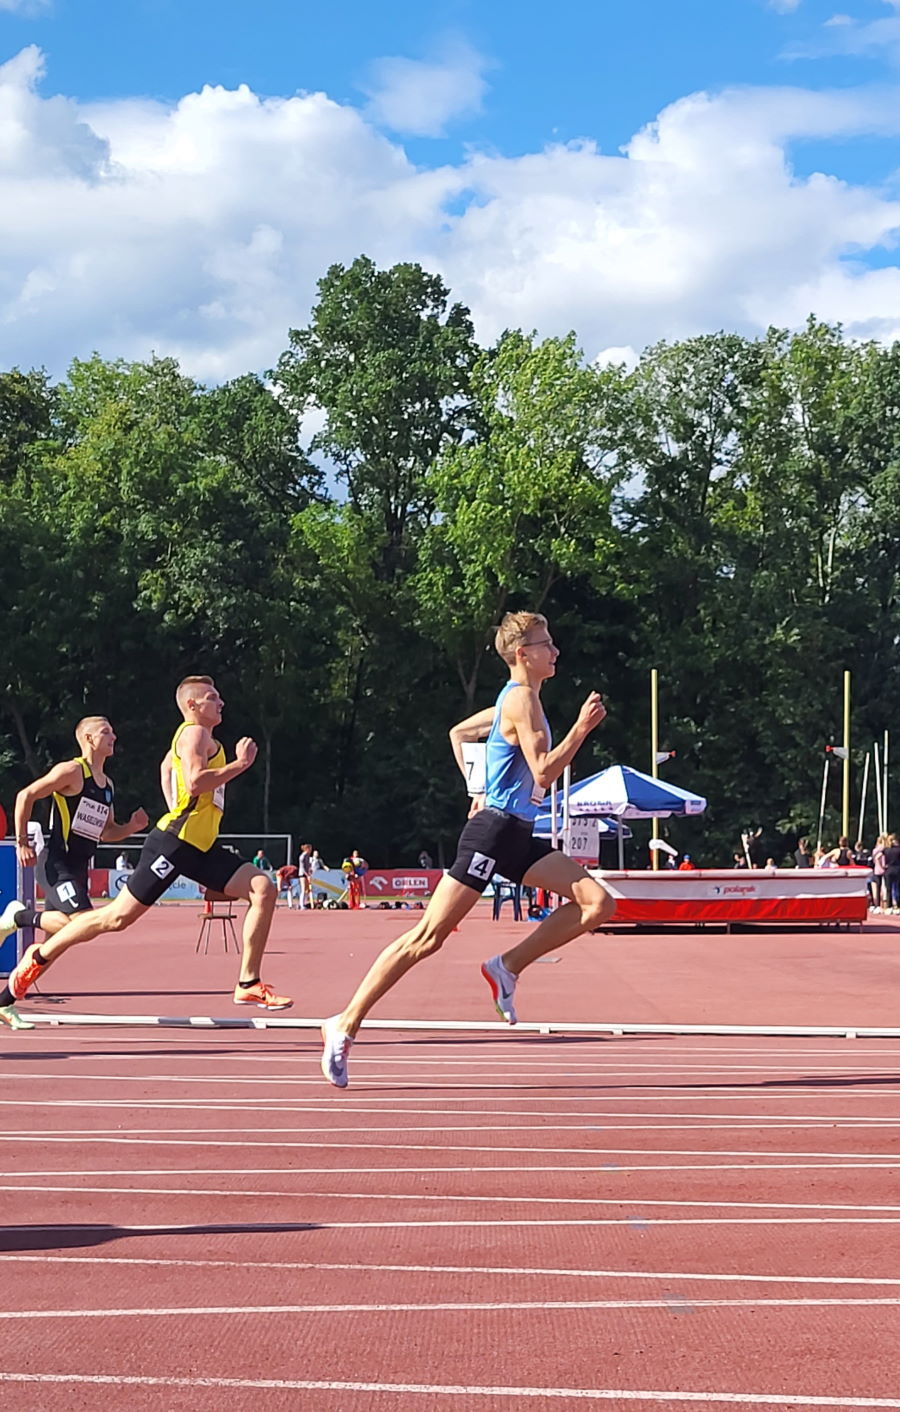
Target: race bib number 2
90, 818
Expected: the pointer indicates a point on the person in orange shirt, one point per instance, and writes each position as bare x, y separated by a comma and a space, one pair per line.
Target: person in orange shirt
686, 866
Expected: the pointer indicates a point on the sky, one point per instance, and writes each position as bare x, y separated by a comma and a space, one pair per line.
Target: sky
176, 175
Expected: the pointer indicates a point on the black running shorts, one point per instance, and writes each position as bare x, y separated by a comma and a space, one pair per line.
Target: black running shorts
495, 842
164, 857
65, 887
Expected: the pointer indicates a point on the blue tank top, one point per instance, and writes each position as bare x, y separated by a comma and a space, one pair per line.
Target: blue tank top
509, 783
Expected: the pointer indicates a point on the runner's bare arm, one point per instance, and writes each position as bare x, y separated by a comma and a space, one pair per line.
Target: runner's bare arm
522, 711
114, 833
477, 727
194, 749
64, 778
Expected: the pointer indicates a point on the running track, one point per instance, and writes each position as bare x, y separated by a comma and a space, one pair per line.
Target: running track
193, 1219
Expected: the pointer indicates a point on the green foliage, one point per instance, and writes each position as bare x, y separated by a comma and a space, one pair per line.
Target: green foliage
728, 512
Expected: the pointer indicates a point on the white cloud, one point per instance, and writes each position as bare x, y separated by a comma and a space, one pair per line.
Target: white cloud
784, 7
200, 229
845, 35
24, 7
420, 98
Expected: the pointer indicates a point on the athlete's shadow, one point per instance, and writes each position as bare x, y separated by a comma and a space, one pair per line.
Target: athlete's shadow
67, 1237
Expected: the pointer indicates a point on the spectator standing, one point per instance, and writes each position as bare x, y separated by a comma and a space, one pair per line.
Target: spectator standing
892, 874
425, 860
802, 855
843, 854
876, 886
354, 868
261, 861
307, 869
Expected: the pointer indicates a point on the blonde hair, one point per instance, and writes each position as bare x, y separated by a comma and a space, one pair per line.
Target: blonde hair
85, 725
183, 689
513, 631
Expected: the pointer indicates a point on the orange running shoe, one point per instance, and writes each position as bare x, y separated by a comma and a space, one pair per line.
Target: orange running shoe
25, 974
262, 996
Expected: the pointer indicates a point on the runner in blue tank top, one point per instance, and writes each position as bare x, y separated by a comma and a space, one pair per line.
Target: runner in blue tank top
521, 765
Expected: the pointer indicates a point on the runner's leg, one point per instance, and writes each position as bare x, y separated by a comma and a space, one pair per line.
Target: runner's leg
251, 885
590, 906
451, 902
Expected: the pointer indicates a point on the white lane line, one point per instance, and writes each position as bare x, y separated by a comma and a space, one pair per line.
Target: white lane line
691, 1122
373, 1197
449, 1307
754, 1399
259, 1082
540, 1272
450, 1198
204, 1135
524, 1064
185, 1228
308, 1103
629, 1205
367, 1149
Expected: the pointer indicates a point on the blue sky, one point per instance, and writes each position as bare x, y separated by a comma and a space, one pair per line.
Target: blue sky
466, 119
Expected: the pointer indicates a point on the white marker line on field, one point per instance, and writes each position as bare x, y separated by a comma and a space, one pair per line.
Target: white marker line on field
540, 1272
394, 1390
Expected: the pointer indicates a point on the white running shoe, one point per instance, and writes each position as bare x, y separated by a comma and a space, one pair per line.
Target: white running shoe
10, 1016
335, 1053
503, 987
8, 916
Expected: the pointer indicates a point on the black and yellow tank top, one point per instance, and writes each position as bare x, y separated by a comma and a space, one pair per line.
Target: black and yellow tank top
195, 818
78, 820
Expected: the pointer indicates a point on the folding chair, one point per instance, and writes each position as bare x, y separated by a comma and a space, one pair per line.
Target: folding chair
217, 908
505, 891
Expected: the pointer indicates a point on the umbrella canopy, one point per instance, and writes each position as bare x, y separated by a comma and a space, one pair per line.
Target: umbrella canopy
628, 794
543, 824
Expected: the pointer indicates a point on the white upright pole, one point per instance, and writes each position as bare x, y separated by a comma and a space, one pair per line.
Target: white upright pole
822, 803
621, 843
862, 797
554, 831
567, 824
878, 795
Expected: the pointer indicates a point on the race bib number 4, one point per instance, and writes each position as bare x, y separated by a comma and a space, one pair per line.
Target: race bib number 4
90, 818
219, 798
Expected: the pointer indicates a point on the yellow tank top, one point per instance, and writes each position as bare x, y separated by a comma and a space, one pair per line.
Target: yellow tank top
195, 818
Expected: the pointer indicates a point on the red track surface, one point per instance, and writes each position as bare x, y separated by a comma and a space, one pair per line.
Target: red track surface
481, 1221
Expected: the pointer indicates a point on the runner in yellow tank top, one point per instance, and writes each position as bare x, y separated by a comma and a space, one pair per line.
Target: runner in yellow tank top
195, 818
193, 775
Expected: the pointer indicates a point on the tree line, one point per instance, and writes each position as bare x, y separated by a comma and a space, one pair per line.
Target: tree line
335, 539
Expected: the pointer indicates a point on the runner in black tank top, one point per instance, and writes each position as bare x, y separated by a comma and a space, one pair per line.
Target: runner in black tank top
81, 816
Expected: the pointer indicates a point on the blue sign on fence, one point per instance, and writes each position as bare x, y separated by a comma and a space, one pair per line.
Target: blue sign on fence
14, 882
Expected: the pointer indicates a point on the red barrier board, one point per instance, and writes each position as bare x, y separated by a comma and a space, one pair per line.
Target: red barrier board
721, 896
400, 884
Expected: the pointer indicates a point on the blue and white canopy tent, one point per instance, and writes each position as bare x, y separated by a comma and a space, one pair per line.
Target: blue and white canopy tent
628, 794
